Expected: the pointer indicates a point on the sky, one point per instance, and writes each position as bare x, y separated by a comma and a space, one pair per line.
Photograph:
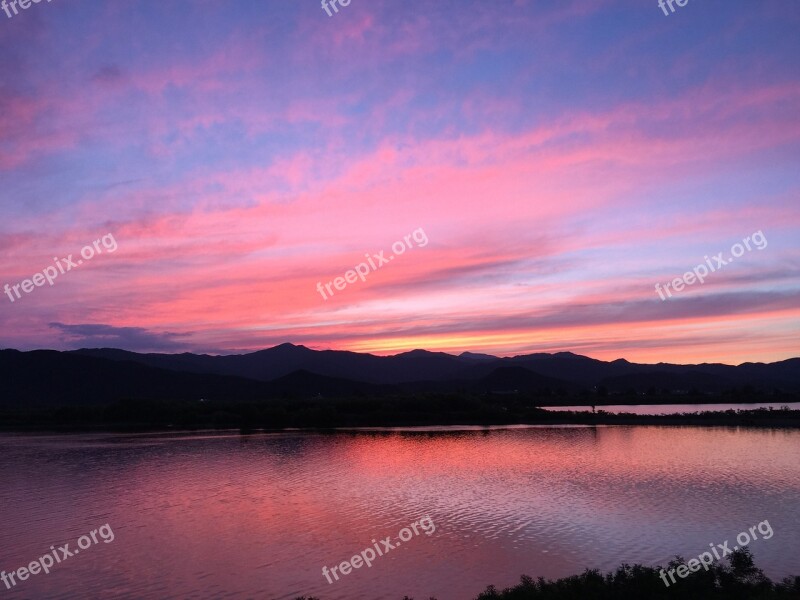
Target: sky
547, 163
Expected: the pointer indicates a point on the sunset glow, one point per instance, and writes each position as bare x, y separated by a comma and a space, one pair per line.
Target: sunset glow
562, 158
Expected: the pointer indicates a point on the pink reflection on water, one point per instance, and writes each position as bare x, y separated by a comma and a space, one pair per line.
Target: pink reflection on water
260, 515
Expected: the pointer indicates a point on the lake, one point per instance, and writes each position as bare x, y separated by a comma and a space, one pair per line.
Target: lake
222, 515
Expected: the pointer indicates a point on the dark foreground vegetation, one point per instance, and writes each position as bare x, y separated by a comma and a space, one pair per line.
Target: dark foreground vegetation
323, 413
740, 579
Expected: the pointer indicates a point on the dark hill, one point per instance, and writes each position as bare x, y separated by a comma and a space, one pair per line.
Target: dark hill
506, 379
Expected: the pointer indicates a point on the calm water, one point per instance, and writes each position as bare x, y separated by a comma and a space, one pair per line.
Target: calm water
230, 516
673, 409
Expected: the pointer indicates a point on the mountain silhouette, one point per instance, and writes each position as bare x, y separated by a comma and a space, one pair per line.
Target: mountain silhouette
96, 376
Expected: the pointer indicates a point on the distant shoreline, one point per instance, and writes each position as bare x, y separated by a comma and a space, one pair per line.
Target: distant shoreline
755, 418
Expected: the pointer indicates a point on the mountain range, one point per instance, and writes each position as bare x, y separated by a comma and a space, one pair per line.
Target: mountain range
102, 375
